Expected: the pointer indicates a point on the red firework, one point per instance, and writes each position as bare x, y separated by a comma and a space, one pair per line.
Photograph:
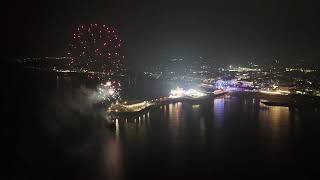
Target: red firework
96, 47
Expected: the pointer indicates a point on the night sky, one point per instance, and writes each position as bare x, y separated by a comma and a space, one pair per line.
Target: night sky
222, 30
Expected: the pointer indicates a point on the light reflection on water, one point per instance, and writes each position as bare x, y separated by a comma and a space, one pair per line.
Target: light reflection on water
274, 120
113, 159
218, 110
174, 122
180, 131
224, 136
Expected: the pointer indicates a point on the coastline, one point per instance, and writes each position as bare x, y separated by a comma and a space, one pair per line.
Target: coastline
301, 102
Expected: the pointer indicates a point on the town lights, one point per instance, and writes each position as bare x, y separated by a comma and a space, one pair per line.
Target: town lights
277, 92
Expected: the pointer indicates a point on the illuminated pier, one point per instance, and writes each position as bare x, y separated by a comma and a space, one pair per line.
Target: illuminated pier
177, 95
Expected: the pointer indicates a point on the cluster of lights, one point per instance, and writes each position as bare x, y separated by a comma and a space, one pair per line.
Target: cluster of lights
242, 69
275, 92
180, 92
301, 70
176, 93
221, 84
124, 107
96, 47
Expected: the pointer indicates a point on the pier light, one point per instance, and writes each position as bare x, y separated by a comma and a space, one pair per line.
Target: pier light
176, 93
179, 92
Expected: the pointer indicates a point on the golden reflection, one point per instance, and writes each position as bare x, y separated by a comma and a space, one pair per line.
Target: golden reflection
274, 119
178, 112
171, 109
117, 128
112, 159
174, 119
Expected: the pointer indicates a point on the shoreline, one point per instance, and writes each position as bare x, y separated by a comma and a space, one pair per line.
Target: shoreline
301, 102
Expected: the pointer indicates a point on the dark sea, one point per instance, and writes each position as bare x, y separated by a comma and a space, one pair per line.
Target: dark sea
57, 134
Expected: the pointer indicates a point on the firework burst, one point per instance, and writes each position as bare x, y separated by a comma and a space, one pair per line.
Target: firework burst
96, 48
109, 91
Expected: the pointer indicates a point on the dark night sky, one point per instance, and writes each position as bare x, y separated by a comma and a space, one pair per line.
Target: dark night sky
223, 30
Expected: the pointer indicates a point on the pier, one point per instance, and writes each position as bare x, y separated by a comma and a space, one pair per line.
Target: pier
127, 108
